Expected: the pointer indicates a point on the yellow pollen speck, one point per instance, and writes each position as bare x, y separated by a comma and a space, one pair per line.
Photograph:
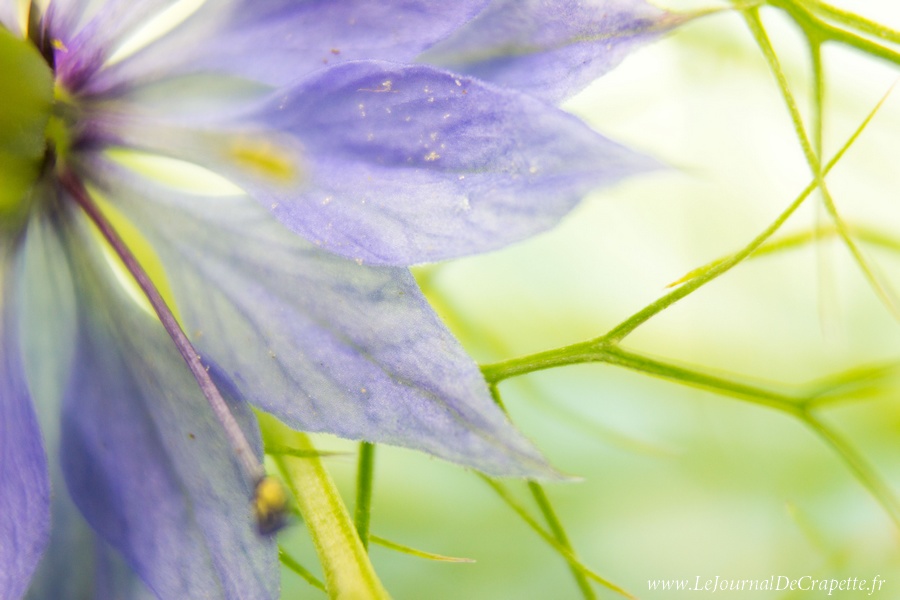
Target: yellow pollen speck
432, 156
264, 157
269, 505
57, 44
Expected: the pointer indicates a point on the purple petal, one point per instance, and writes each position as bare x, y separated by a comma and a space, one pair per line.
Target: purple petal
9, 16
65, 17
324, 343
25, 489
550, 48
84, 51
279, 41
145, 461
47, 320
114, 579
76, 564
403, 165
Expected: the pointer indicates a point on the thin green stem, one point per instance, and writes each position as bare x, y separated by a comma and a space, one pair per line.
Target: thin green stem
289, 561
584, 352
365, 475
556, 527
616, 356
864, 234
754, 23
573, 561
864, 473
414, 552
689, 377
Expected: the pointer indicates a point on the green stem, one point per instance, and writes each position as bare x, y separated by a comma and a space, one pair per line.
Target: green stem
749, 393
547, 537
414, 552
289, 561
751, 16
849, 19
556, 527
639, 318
828, 32
582, 352
864, 473
365, 475
614, 355
349, 574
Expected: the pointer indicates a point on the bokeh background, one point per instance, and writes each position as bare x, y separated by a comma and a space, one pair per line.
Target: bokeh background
677, 482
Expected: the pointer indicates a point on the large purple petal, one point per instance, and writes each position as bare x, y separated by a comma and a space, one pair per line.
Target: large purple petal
25, 487
144, 459
550, 48
76, 565
47, 320
400, 165
323, 342
279, 41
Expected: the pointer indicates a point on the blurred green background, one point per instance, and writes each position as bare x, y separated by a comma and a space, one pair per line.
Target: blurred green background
678, 482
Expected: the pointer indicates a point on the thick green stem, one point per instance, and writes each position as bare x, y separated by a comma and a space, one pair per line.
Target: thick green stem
348, 573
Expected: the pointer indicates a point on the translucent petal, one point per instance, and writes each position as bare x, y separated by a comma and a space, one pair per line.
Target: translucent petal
280, 41
551, 49
9, 16
25, 489
324, 343
144, 459
75, 565
81, 52
47, 317
400, 165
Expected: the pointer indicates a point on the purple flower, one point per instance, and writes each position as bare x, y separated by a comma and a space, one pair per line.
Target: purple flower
356, 163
